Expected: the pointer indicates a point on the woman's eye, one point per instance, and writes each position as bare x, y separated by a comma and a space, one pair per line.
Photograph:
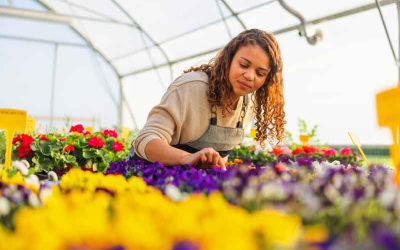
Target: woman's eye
243, 65
261, 74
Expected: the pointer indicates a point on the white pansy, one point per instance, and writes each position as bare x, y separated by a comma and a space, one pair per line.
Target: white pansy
33, 200
26, 163
249, 193
32, 180
45, 193
21, 167
173, 192
4, 206
52, 176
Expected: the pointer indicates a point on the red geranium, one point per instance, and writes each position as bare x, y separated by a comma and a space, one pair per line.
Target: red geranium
310, 149
24, 148
96, 142
346, 151
117, 146
77, 128
86, 133
328, 151
110, 132
297, 151
277, 151
69, 148
84, 168
43, 137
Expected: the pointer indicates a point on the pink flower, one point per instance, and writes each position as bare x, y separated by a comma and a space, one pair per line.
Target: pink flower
69, 148
96, 142
328, 151
110, 132
280, 167
286, 150
346, 151
77, 128
117, 146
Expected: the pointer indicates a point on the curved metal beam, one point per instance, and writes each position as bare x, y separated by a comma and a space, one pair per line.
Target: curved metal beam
142, 30
221, 12
88, 10
91, 45
334, 16
396, 59
314, 39
62, 18
195, 29
234, 14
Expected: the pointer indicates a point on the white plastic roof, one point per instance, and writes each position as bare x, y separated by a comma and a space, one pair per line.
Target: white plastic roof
113, 59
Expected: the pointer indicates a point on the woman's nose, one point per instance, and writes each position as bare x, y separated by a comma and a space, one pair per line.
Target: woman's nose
249, 75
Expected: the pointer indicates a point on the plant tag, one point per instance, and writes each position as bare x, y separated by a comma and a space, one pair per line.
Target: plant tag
30, 125
11, 120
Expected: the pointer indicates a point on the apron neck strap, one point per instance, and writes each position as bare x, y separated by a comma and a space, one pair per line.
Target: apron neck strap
239, 124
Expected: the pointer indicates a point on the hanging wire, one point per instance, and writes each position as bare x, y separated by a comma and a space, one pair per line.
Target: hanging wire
223, 18
387, 32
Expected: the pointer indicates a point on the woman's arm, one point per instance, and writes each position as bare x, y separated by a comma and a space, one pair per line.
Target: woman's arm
161, 151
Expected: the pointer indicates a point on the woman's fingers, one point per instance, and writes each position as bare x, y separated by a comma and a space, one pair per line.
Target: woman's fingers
213, 157
221, 163
216, 158
210, 155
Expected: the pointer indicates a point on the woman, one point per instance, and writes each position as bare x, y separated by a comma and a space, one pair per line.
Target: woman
202, 115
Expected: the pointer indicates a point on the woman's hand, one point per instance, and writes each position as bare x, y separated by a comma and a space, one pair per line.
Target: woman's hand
161, 151
207, 157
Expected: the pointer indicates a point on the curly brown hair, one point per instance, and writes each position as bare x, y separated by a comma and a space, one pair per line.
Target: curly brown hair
269, 101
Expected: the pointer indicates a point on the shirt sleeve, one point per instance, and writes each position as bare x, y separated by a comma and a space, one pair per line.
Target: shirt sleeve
163, 121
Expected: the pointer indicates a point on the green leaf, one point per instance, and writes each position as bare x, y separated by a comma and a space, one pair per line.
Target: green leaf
88, 153
46, 164
44, 147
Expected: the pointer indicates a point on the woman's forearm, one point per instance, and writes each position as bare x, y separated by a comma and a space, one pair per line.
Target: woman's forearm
159, 150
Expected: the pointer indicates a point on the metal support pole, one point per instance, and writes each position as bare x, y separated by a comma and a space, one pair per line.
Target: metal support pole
387, 32
53, 84
398, 23
121, 104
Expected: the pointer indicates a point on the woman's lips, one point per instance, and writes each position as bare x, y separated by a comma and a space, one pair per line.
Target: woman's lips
244, 86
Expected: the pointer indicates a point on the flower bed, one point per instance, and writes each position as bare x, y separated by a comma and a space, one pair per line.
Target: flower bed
78, 148
260, 201
93, 211
355, 205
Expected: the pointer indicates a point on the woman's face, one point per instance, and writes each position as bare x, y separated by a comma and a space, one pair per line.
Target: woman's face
249, 69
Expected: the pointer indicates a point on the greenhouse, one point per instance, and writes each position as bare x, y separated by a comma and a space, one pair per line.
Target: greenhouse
226, 124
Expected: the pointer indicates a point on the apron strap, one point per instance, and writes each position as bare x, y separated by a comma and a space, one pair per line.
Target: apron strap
239, 124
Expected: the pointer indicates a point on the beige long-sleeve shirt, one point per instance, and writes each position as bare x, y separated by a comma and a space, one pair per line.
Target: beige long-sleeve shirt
184, 113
